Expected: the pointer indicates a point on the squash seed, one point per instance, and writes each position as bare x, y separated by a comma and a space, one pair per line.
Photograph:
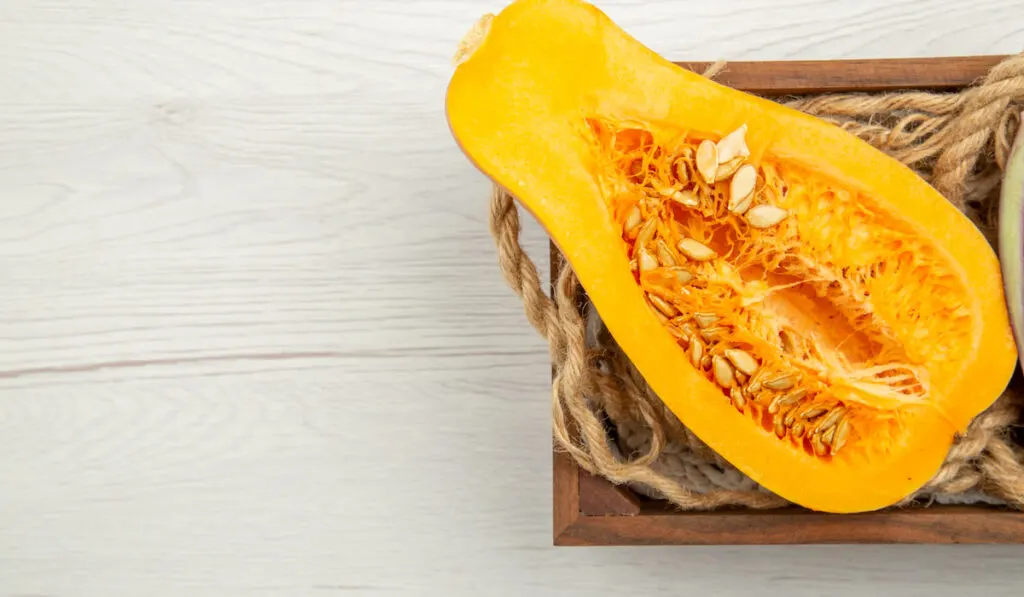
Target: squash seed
633, 219
782, 382
813, 413
696, 250
742, 360
661, 305
686, 198
646, 233
799, 393
707, 160
742, 207
784, 400
705, 319
727, 168
665, 191
780, 429
683, 275
755, 382
682, 171
841, 434
798, 429
647, 261
741, 187
661, 316
722, 371
705, 363
713, 334
819, 447
765, 216
796, 395
696, 352
733, 145
664, 254
738, 400
832, 418
826, 437
681, 336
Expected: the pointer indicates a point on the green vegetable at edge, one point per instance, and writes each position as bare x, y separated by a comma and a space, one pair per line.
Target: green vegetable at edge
1011, 237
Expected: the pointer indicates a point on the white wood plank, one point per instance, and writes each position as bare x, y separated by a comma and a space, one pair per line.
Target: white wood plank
253, 339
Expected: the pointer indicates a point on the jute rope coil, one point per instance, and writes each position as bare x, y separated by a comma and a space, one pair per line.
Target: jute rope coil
611, 423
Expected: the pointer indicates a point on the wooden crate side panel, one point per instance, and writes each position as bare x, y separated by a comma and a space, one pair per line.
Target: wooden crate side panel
937, 524
824, 76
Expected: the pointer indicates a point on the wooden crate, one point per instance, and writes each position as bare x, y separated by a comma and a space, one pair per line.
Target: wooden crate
589, 510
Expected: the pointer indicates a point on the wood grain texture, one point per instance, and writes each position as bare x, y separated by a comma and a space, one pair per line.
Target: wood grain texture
253, 339
598, 497
940, 524
775, 78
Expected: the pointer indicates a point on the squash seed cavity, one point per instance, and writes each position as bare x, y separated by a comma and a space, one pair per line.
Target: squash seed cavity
771, 302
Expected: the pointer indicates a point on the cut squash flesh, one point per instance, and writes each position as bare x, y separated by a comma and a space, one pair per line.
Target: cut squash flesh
809, 307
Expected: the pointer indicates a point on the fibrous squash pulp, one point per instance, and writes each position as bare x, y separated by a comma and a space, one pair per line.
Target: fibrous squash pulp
809, 307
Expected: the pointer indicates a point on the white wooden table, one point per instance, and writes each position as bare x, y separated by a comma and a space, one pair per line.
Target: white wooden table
253, 340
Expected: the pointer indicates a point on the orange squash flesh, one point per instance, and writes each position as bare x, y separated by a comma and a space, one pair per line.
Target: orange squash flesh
881, 303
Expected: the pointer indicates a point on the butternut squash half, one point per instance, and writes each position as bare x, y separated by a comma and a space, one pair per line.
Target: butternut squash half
812, 309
